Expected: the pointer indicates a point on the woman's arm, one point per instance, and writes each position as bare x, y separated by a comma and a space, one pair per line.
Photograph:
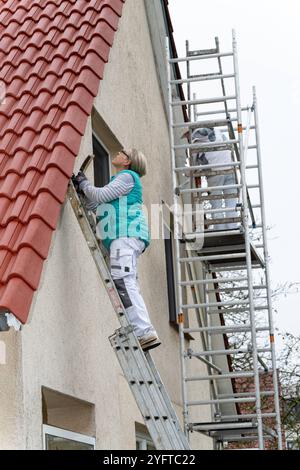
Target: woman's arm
120, 186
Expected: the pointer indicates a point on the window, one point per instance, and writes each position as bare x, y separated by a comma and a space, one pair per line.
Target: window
101, 163
61, 439
144, 442
170, 275
68, 422
143, 438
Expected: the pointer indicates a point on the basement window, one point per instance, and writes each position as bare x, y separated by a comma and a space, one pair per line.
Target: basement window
143, 438
68, 422
61, 439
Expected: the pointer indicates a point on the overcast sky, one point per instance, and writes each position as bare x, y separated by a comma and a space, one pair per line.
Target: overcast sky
268, 35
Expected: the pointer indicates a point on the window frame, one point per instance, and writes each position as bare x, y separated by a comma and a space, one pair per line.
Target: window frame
100, 142
65, 434
143, 440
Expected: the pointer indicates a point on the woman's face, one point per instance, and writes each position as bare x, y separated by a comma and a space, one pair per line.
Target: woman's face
120, 160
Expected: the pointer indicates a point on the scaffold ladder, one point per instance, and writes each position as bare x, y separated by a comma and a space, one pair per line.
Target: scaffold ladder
138, 366
223, 272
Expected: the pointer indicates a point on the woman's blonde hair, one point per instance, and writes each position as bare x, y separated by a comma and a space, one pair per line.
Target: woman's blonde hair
138, 161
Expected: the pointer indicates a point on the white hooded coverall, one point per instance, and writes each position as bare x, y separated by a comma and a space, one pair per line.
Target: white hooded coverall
217, 157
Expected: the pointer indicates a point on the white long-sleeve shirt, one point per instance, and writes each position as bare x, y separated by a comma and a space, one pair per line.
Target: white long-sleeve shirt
121, 185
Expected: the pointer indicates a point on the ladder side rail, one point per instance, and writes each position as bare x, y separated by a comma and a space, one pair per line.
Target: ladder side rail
210, 347
230, 126
267, 274
180, 315
190, 158
163, 391
160, 433
248, 251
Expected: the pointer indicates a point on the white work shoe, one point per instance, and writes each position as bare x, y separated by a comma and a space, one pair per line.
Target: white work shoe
149, 341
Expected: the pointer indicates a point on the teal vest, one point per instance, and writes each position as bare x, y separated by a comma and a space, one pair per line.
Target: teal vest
123, 217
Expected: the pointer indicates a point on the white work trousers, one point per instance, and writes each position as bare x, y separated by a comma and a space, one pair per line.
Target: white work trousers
124, 253
223, 180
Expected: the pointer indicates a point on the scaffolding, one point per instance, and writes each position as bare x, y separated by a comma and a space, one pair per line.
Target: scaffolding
222, 260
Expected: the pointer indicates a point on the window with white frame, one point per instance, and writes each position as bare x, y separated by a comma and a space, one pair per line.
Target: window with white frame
144, 442
61, 439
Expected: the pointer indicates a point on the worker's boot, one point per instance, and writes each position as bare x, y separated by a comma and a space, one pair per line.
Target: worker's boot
149, 341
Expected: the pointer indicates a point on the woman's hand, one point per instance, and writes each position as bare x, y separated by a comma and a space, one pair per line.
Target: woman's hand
78, 180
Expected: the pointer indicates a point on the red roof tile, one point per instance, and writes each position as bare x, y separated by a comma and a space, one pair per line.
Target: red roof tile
52, 56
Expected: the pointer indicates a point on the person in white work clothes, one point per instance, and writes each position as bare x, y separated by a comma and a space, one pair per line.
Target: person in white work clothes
208, 136
123, 229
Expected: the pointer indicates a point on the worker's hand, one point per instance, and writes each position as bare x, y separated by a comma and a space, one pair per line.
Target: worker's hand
78, 180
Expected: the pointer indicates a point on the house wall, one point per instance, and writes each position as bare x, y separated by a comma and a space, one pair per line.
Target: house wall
65, 346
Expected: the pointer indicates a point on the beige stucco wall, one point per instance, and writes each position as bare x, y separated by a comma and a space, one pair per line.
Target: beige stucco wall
65, 346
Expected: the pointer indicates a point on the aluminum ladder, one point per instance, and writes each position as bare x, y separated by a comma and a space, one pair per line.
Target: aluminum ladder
138, 366
219, 269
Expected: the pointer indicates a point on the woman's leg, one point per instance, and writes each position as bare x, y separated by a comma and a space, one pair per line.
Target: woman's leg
123, 259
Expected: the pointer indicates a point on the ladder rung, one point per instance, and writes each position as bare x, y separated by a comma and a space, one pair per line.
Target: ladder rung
225, 220
220, 111
220, 376
221, 401
209, 427
247, 416
200, 57
215, 304
234, 289
235, 310
225, 248
225, 329
216, 233
216, 198
188, 169
212, 211
249, 438
235, 128
208, 173
264, 393
219, 269
213, 188
216, 99
202, 78
213, 281
197, 124
208, 147
226, 352
202, 52
212, 257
